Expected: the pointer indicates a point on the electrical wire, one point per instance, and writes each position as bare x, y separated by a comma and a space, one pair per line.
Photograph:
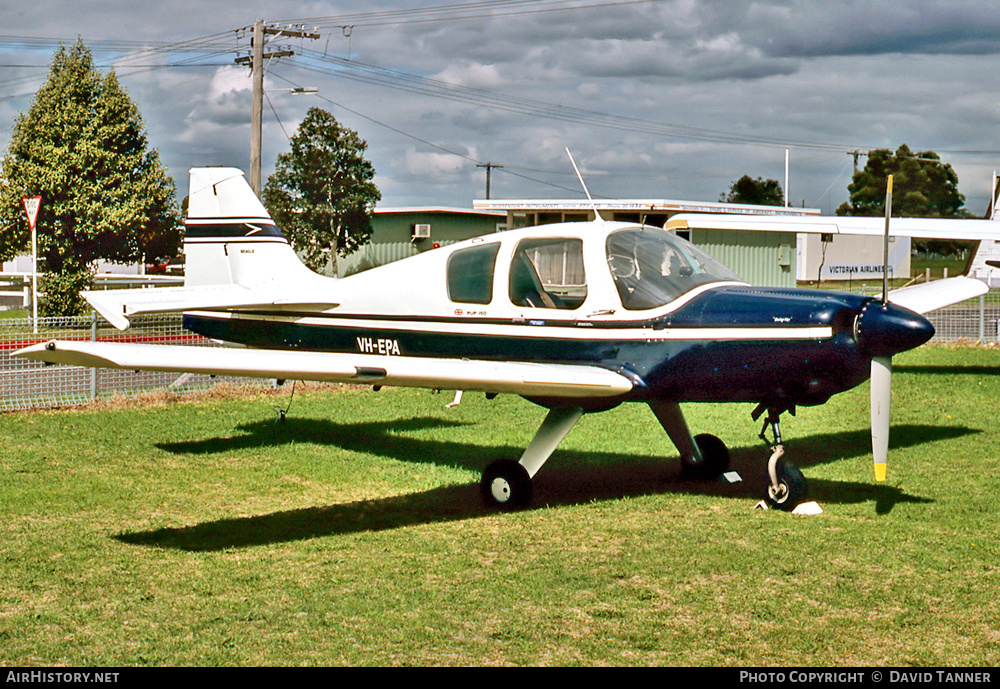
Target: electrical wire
455, 12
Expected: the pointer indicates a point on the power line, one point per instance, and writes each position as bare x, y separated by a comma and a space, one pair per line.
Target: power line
506, 169
404, 81
458, 12
430, 144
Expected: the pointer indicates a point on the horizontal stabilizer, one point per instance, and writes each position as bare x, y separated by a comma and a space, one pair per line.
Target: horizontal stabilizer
929, 296
118, 306
521, 378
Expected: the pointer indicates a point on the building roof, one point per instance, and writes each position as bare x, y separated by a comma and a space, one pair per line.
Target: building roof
636, 205
439, 209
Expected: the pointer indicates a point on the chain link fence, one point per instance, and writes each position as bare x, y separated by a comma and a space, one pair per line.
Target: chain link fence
31, 384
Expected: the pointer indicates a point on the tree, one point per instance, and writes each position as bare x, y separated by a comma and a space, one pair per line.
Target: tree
321, 193
922, 187
758, 192
82, 148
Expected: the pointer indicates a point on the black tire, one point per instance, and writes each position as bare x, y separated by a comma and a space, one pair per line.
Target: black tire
792, 489
714, 459
506, 484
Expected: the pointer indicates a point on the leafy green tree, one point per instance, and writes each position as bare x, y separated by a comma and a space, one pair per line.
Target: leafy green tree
82, 148
321, 193
758, 192
922, 187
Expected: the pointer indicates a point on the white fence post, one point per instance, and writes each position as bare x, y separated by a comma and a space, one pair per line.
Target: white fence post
93, 371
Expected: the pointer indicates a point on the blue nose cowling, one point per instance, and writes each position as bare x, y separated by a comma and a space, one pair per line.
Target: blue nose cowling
887, 329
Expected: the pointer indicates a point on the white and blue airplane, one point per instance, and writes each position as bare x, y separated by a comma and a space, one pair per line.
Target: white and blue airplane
577, 317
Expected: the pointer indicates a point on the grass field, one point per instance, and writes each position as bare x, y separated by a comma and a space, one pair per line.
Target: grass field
204, 533
937, 267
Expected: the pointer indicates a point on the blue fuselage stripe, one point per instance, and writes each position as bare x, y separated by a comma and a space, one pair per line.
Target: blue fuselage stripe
779, 368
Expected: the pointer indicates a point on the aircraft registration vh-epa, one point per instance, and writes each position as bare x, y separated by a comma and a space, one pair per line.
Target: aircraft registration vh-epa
576, 317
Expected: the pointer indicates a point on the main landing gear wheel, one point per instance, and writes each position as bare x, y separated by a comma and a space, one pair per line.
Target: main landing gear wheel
714, 459
791, 489
506, 484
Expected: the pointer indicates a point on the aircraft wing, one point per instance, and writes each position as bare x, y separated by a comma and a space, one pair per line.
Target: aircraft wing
118, 306
920, 298
919, 228
928, 296
521, 378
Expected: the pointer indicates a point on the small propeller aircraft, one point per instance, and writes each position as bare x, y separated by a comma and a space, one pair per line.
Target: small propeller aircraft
577, 317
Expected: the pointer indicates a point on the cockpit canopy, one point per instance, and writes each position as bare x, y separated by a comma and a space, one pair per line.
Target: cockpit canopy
652, 267
649, 266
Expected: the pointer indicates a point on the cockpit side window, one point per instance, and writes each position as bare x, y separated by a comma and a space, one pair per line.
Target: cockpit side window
470, 274
652, 267
548, 274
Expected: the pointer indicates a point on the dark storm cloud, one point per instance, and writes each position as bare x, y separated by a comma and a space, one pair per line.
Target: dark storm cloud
874, 28
834, 75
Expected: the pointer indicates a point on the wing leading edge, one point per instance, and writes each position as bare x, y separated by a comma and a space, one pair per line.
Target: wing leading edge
930, 296
520, 378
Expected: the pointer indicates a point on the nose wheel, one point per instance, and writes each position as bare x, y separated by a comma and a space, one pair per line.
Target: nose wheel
785, 487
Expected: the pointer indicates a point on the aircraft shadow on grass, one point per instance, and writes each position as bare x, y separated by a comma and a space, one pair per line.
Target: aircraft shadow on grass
571, 477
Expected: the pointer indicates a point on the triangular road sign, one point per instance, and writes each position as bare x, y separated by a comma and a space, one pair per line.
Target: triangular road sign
31, 206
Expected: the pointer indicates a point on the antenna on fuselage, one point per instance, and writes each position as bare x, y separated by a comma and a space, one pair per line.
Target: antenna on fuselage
597, 216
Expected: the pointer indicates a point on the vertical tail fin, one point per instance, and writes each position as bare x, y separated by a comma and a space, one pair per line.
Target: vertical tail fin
985, 264
230, 238
235, 258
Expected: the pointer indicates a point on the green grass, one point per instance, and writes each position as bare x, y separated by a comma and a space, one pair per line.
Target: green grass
203, 533
954, 266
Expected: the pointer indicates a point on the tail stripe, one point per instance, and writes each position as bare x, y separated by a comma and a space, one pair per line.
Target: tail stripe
249, 229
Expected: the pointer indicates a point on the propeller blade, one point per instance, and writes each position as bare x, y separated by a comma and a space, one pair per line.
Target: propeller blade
881, 385
885, 241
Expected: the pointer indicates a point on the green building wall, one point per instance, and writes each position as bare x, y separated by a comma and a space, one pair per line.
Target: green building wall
760, 258
392, 234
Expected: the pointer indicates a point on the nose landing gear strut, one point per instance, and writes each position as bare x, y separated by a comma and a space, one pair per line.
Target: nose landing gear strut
785, 487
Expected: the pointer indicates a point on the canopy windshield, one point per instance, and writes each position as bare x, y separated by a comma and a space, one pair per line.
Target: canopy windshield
652, 267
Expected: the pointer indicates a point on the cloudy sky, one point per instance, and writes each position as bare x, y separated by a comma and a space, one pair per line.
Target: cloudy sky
662, 99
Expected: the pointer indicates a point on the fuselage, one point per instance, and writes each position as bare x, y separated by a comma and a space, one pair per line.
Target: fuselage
636, 300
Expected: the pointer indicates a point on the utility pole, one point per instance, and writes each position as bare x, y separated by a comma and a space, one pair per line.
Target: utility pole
489, 168
786, 178
856, 153
256, 62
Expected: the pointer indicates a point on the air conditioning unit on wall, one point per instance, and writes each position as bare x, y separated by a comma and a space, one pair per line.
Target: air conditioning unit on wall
421, 231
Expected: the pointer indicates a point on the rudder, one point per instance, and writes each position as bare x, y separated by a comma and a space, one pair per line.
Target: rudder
229, 237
